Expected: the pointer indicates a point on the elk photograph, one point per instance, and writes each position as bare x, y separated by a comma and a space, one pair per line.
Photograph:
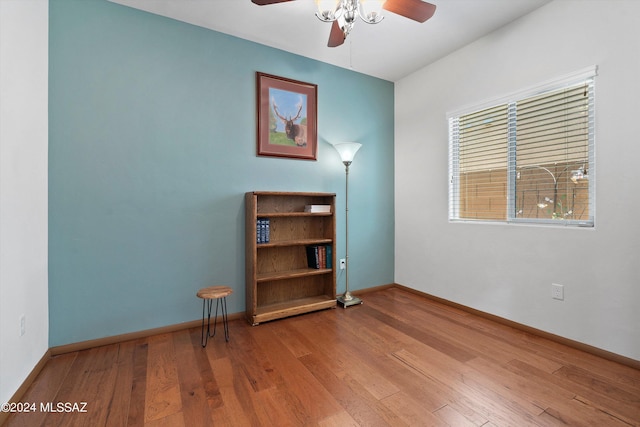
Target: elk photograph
287, 117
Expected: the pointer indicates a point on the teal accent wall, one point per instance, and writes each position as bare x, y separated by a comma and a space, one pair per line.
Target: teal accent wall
151, 149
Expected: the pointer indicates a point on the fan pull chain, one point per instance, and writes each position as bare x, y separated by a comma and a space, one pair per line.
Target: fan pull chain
351, 54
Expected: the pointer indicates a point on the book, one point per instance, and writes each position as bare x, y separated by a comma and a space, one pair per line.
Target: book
322, 255
313, 260
317, 208
319, 256
262, 230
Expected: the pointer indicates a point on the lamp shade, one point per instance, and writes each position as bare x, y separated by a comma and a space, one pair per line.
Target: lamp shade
327, 10
371, 11
347, 150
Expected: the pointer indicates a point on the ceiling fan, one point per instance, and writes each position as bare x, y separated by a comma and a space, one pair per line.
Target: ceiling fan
343, 13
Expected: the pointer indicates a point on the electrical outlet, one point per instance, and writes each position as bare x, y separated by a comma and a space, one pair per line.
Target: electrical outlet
343, 263
23, 325
557, 291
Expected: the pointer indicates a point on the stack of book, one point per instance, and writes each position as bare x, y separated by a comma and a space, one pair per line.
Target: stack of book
317, 208
319, 256
262, 230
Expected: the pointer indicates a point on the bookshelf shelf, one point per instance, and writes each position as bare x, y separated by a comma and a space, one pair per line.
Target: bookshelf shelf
279, 282
291, 274
295, 242
293, 307
283, 214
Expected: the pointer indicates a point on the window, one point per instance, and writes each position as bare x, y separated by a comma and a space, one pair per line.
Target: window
527, 159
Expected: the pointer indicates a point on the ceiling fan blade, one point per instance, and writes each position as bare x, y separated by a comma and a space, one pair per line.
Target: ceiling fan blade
266, 2
336, 36
417, 10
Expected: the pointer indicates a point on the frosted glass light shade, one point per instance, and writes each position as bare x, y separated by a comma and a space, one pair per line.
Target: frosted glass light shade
347, 150
328, 10
371, 11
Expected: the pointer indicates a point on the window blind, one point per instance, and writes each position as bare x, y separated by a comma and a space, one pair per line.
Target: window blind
552, 156
481, 160
526, 160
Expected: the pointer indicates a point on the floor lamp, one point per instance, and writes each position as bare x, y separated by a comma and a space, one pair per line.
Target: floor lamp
347, 151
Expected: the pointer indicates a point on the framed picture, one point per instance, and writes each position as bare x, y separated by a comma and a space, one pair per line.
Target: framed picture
287, 117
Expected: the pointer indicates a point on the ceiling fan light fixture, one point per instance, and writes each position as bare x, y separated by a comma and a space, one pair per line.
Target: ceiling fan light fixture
342, 14
370, 11
346, 23
329, 10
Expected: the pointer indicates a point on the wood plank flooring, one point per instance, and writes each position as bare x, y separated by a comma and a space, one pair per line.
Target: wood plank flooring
397, 360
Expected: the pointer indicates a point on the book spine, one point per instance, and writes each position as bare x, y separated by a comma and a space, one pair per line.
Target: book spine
259, 231
310, 261
262, 230
312, 257
323, 256
317, 208
329, 258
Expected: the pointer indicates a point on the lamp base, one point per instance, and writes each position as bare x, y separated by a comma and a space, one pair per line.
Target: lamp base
347, 302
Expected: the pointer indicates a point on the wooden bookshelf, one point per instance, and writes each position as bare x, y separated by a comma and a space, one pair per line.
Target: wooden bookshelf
279, 282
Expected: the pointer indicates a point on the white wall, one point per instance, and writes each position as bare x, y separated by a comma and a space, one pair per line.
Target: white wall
23, 189
507, 270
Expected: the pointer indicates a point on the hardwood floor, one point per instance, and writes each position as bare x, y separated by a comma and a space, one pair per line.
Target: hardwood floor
399, 359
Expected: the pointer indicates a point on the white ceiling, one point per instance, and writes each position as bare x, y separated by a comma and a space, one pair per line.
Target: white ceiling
389, 50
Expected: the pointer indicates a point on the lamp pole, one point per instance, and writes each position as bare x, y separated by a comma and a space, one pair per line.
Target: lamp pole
347, 151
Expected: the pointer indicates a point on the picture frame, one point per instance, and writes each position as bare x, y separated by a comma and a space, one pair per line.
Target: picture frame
286, 117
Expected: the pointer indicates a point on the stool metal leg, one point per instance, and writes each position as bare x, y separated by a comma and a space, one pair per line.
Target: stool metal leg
204, 338
225, 320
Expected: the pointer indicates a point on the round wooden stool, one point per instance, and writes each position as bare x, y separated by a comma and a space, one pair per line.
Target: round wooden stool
219, 293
